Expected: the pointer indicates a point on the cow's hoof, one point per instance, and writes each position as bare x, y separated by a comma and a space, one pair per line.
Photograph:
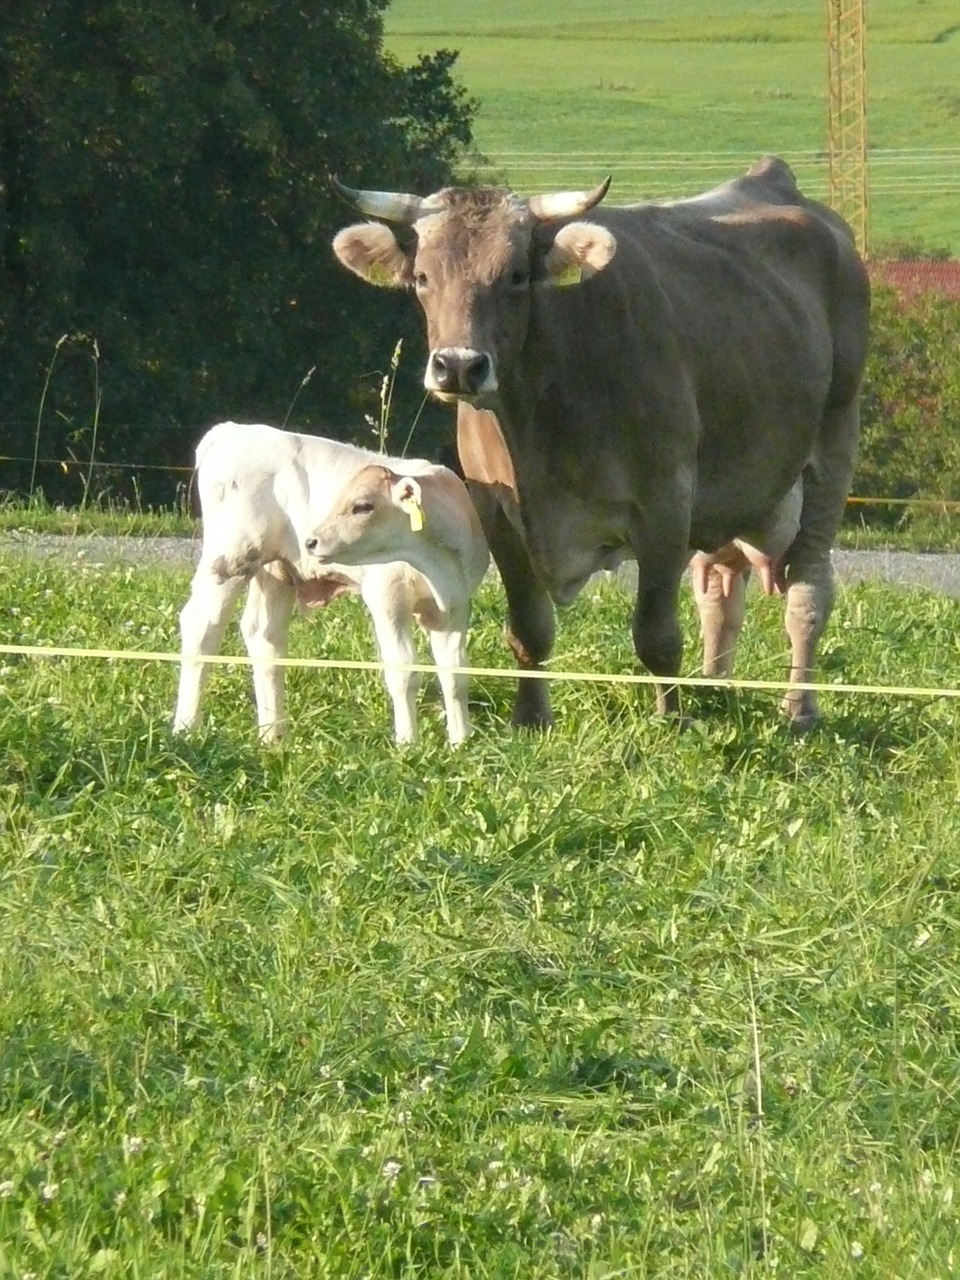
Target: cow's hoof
532, 724
803, 724
531, 709
800, 719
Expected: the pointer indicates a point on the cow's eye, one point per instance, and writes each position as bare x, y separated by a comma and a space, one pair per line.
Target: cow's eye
362, 508
520, 277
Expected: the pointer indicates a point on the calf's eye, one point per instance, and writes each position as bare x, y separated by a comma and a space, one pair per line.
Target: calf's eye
362, 508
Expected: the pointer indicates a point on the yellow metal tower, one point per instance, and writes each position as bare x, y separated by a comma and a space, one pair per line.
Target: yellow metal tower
847, 119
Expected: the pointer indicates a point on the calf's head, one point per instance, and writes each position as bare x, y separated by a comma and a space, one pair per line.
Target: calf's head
372, 520
473, 257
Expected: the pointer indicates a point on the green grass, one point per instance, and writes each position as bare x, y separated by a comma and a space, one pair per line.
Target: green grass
611, 1002
107, 517
684, 94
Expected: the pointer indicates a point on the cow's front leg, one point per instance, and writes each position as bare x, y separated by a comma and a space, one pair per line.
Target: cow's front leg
531, 621
661, 561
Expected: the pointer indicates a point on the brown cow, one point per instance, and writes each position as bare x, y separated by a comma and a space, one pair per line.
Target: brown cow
654, 380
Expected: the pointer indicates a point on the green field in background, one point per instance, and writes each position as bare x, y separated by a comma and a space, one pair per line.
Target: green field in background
688, 94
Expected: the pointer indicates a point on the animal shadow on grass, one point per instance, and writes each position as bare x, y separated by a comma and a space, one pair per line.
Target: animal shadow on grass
45, 757
756, 728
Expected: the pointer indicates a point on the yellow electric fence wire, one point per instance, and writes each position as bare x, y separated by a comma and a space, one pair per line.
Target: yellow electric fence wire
589, 677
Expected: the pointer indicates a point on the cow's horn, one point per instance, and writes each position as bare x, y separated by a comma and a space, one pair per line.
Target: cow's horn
567, 204
392, 206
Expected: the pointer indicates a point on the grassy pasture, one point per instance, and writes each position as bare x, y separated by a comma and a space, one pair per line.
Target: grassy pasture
683, 94
613, 1002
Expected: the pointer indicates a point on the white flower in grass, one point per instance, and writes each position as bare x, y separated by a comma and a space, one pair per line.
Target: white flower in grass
403, 1117
49, 1191
132, 1145
120, 1199
856, 1250
391, 1169
6, 1189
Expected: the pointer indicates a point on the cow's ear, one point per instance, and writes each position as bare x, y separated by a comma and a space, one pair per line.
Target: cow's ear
408, 496
579, 250
370, 250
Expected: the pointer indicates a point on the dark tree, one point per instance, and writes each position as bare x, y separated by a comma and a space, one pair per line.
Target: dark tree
163, 194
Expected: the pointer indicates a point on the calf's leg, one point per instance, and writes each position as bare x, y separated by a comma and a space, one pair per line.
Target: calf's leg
203, 621
265, 626
449, 648
393, 626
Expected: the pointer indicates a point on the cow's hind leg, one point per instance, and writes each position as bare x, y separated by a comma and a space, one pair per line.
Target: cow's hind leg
721, 619
810, 584
203, 621
265, 626
531, 621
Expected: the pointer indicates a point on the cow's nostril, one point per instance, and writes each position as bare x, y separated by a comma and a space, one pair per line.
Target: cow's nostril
475, 371
311, 544
443, 371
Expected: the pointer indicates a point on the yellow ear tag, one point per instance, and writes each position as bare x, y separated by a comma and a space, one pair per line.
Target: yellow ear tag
379, 274
411, 505
572, 273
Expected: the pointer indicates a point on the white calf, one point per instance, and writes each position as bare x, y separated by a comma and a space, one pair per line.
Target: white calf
425, 518
262, 491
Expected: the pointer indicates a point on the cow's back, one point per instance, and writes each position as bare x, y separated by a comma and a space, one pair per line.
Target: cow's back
751, 306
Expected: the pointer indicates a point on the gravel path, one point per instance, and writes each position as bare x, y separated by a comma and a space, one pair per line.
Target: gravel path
934, 570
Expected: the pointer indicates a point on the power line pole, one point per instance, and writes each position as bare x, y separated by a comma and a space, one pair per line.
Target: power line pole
847, 115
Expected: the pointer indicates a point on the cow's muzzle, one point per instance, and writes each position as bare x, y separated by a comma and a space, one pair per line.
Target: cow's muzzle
315, 549
459, 372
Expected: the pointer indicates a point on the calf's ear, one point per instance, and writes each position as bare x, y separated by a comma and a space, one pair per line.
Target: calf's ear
370, 250
579, 250
408, 496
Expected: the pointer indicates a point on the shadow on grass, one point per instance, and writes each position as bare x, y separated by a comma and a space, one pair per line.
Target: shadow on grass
51, 755
751, 730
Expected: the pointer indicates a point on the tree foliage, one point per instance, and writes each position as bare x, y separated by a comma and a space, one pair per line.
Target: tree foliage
164, 195
910, 410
